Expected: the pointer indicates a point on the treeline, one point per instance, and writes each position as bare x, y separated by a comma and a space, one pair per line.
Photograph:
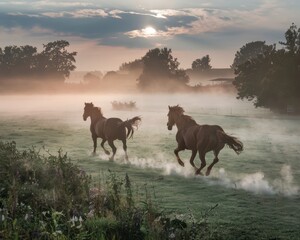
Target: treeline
264, 74
26, 63
268, 76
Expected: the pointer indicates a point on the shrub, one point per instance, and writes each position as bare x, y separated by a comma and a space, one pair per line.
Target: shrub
48, 197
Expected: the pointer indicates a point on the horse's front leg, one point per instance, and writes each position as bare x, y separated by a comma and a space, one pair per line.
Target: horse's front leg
176, 151
94, 137
102, 145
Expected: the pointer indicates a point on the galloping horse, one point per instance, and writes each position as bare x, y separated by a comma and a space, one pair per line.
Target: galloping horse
201, 138
109, 129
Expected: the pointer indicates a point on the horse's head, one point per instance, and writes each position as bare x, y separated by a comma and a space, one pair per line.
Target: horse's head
87, 110
173, 114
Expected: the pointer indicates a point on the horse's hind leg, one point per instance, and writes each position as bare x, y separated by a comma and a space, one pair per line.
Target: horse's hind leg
203, 163
194, 152
102, 145
114, 149
125, 149
216, 159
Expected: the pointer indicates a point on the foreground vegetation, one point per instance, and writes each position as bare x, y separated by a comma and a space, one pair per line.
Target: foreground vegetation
43, 196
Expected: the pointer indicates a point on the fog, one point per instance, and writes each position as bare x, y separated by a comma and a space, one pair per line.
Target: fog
209, 103
268, 165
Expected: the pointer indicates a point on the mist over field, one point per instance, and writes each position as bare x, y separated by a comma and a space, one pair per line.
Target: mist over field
264, 135
225, 63
244, 185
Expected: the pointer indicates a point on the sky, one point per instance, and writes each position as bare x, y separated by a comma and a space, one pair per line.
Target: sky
106, 34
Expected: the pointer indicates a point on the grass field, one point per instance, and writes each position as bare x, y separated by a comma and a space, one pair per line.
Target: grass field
257, 192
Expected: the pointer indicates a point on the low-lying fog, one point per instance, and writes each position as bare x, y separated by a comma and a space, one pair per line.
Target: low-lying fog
209, 103
272, 142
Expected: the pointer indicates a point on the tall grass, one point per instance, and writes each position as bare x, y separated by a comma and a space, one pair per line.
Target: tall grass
43, 196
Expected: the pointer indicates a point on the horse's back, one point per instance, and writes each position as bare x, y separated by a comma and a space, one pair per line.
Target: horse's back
201, 137
207, 137
114, 129
112, 122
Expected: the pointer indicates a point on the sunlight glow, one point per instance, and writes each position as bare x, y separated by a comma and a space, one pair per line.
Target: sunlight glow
149, 31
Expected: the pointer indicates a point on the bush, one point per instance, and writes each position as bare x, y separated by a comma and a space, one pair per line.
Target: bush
48, 197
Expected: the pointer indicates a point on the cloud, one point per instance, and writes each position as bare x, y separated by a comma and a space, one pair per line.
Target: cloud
193, 26
42, 4
83, 13
164, 13
201, 21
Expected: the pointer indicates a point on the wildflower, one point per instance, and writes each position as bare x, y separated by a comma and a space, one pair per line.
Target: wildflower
172, 236
73, 220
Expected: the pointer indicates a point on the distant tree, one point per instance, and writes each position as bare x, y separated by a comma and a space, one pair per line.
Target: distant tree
252, 77
25, 62
136, 65
111, 76
92, 77
161, 69
17, 61
55, 61
249, 51
202, 64
272, 79
292, 36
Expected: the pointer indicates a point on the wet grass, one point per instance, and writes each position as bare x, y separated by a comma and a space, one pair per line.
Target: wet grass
250, 206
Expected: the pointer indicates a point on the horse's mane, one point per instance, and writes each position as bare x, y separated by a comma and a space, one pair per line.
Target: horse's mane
188, 118
179, 110
98, 111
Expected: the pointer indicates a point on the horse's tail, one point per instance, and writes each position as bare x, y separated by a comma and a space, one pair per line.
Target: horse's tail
232, 142
129, 124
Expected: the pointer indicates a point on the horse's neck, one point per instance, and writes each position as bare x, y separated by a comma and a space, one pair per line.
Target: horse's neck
184, 121
95, 118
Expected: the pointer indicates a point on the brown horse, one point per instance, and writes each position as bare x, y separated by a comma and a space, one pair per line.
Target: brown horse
109, 129
201, 138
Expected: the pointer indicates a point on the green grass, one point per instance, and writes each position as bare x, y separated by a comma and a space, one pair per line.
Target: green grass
250, 206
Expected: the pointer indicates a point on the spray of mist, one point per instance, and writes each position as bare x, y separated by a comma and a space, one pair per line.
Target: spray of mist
257, 182
254, 182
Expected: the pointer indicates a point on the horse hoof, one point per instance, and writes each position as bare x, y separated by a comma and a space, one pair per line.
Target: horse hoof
107, 152
207, 173
181, 164
198, 173
111, 159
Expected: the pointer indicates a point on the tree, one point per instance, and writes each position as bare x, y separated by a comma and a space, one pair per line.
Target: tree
252, 78
272, 78
249, 51
202, 64
292, 36
161, 70
25, 62
92, 77
17, 61
136, 65
55, 61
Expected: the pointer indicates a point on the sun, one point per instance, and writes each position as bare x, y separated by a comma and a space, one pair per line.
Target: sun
149, 31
